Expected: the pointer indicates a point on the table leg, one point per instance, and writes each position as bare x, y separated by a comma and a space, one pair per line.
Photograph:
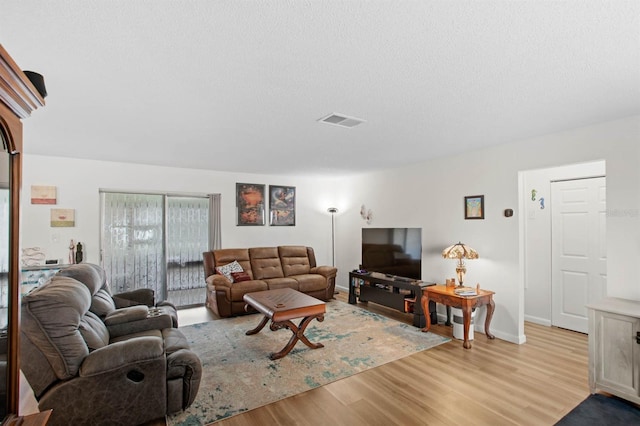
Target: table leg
298, 334
448, 322
424, 300
260, 326
466, 319
491, 306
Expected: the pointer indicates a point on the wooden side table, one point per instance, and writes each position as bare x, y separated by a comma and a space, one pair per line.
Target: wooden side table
446, 296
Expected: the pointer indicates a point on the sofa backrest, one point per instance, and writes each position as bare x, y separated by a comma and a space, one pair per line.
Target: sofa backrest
225, 256
265, 263
94, 277
295, 260
55, 321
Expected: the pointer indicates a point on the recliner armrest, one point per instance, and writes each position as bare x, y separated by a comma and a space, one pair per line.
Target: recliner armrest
141, 296
129, 314
151, 322
218, 280
325, 271
115, 355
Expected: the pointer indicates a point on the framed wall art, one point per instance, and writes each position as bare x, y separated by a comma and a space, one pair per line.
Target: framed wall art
41, 194
282, 205
63, 218
474, 207
250, 204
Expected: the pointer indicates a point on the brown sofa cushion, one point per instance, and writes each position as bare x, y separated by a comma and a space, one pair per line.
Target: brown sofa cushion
274, 283
310, 282
238, 290
225, 256
265, 263
295, 260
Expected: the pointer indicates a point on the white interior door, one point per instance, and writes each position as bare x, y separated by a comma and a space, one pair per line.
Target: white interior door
578, 250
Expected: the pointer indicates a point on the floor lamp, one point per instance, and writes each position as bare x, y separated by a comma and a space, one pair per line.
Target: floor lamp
333, 212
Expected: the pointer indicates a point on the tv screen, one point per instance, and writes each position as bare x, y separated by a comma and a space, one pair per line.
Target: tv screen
393, 251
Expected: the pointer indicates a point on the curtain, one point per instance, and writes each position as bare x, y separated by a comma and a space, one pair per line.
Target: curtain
187, 238
156, 241
215, 236
133, 242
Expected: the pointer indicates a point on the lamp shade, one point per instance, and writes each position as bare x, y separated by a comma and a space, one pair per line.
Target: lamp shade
459, 251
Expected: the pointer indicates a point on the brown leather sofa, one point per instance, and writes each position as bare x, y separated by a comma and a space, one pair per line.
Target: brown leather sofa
267, 268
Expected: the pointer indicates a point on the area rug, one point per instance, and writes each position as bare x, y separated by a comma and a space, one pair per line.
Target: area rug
239, 376
602, 410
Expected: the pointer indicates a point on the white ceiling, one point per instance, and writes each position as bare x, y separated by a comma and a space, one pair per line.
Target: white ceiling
239, 85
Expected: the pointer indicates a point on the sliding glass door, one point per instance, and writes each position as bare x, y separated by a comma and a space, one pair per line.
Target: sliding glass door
155, 241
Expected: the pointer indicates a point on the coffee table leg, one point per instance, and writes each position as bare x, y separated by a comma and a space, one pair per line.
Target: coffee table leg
298, 334
259, 327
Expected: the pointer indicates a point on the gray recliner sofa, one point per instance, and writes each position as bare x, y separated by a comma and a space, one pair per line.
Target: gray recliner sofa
123, 313
87, 376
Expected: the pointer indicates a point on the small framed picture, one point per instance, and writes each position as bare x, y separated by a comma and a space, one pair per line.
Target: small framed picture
63, 218
250, 204
41, 194
474, 207
282, 205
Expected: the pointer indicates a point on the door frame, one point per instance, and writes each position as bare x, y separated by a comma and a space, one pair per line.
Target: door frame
535, 235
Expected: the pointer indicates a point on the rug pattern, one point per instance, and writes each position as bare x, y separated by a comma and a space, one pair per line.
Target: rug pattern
239, 376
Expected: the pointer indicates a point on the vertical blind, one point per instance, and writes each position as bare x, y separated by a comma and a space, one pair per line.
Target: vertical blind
156, 241
187, 238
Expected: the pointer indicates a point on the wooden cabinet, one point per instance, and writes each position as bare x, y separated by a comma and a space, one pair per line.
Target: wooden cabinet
614, 348
18, 98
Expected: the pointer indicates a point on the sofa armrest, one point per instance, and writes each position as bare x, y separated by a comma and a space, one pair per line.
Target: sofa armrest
115, 355
151, 322
218, 280
325, 271
141, 296
185, 366
128, 314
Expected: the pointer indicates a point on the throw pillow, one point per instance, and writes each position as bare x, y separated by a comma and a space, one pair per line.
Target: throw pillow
240, 276
227, 269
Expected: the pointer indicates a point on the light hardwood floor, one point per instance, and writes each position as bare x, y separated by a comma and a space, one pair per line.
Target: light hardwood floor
493, 383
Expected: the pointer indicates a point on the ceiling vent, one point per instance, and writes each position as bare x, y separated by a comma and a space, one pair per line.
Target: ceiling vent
341, 120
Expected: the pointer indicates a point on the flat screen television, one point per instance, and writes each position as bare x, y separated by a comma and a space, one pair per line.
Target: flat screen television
393, 251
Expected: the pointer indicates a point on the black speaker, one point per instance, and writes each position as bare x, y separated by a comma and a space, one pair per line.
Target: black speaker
38, 81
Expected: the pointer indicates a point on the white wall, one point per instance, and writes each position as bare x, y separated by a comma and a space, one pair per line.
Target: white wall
537, 234
430, 195
78, 182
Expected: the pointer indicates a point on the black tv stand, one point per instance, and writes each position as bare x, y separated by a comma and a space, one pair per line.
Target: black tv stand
400, 293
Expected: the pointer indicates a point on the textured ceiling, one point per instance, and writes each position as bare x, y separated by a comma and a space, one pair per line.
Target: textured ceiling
239, 85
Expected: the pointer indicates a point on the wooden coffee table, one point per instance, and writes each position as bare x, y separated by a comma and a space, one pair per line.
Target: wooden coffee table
281, 306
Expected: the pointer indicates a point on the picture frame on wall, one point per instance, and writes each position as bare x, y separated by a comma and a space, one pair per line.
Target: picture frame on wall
63, 218
43, 194
250, 204
474, 207
282, 205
